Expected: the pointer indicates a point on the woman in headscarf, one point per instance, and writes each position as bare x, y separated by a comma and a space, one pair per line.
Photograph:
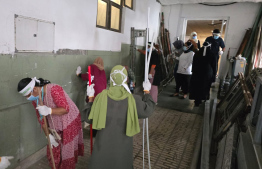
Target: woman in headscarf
98, 77
184, 69
115, 113
204, 66
193, 37
63, 118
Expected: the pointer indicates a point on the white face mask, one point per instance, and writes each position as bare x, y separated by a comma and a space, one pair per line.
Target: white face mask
124, 78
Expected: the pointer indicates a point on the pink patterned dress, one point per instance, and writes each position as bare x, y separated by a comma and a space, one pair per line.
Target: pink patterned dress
68, 126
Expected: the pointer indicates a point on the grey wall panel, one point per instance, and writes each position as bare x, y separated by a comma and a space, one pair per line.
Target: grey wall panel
31, 137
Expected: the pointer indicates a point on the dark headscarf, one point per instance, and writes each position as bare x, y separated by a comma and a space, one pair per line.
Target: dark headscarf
178, 44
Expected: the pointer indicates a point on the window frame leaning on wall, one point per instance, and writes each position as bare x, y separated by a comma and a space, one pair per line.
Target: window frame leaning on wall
111, 4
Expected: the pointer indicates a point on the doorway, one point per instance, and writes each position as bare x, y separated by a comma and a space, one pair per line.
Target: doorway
204, 28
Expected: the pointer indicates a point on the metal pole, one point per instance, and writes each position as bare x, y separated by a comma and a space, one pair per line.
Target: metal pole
146, 68
146, 79
148, 151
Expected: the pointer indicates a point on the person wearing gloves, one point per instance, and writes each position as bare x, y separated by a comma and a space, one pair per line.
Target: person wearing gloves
204, 64
193, 37
63, 119
155, 71
216, 41
98, 76
4, 161
115, 113
184, 69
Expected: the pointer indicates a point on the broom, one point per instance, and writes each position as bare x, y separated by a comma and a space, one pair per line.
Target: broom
47, 132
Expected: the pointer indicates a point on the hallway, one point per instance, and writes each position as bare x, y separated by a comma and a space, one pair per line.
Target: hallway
173, 131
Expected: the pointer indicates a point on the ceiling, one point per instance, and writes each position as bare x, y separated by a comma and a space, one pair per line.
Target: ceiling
211, 2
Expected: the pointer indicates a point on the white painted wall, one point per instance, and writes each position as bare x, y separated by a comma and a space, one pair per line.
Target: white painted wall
75, 23
242, 16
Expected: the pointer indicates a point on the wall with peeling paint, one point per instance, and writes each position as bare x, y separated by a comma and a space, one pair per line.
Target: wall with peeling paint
75, 23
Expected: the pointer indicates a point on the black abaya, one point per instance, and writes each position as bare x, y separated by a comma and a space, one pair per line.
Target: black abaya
203, 69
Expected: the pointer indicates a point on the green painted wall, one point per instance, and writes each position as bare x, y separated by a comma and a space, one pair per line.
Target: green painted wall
20, 133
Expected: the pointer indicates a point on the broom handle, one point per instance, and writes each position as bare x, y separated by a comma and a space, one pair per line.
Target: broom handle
91, 131
147, 61
47, 132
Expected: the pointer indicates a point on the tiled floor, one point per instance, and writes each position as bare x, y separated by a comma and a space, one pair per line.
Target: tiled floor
173, 131
172, 138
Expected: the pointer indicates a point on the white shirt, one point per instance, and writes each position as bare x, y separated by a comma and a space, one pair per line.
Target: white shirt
185, 63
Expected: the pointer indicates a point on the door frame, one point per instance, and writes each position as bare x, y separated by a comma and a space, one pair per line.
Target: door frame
184, 22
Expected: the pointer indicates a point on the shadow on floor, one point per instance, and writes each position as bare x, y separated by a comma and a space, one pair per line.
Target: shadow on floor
176, 103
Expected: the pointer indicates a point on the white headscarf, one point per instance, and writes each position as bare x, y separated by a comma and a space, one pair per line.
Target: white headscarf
29, 88
191, 37
124, 78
